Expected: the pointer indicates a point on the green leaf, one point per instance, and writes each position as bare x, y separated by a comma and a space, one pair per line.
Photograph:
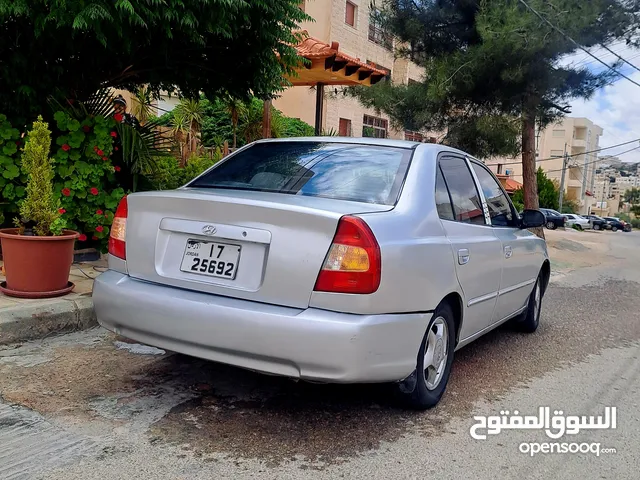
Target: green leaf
73, 125
20, 192
11, 171
74, 155
10, 149
8, 192
76, 138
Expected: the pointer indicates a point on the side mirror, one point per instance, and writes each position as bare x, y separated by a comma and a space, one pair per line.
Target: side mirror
531, 219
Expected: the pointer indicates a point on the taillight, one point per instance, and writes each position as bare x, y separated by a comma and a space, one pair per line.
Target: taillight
119, 230
353, 264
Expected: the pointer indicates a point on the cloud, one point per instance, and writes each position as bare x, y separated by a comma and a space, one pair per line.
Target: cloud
616, 108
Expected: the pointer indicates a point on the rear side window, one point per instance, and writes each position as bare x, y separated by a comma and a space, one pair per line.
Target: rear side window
467, 206
360, 173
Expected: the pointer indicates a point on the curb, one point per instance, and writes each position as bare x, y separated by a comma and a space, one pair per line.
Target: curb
40, 319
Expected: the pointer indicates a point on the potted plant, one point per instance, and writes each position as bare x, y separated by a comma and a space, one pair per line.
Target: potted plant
38, 253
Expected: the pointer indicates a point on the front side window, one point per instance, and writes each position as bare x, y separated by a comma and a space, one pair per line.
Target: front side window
467, 206
498, 203
341, 171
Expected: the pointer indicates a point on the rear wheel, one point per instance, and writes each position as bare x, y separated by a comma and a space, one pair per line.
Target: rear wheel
596, 226
551, 225
614, 228
529, 321
426, 385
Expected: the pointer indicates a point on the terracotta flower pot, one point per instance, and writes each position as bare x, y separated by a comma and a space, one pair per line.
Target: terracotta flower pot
37, 267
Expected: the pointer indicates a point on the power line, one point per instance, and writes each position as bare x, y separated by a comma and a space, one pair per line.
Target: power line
572, 155
625, 61
535, 12
591, 163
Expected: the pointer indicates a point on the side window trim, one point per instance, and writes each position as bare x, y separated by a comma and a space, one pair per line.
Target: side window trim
484, 200
444, 180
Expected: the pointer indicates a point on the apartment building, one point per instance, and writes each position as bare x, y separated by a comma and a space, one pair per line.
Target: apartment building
579, 137
351, 25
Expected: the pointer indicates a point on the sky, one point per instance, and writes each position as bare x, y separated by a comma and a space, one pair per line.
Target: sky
616, 108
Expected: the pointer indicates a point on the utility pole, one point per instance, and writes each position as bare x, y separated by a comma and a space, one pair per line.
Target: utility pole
565, 160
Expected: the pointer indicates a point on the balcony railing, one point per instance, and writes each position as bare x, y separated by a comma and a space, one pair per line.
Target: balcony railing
380, 36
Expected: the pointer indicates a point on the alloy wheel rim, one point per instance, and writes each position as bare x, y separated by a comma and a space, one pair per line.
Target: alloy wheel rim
436, 353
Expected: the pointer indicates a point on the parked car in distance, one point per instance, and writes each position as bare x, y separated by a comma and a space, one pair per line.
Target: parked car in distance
615, 224
598, 223
577, 220
553, 219
327, 259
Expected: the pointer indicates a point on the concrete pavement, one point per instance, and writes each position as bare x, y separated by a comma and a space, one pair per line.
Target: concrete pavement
175, 417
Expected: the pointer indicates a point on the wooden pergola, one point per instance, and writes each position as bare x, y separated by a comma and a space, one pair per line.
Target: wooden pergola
324, 65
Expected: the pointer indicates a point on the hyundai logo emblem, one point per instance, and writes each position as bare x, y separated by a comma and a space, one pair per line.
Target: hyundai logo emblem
209, 230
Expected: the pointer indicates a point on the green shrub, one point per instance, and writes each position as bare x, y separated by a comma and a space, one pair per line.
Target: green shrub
12, 178
39, 210
168, 175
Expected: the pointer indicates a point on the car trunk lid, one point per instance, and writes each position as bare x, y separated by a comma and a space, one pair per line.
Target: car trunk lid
271, 246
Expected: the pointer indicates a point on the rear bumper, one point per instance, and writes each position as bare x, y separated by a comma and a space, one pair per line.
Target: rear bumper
308, 344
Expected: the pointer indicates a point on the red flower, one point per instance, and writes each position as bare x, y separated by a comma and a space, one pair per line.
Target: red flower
94, 191
94, 238
61, 211
116, 149
100, 152
66, 147
99, 212
99, 228
82, 238
66, 192
117, 168
18, 143
86, 128
105, 158
95, 148
114, 134
118, 117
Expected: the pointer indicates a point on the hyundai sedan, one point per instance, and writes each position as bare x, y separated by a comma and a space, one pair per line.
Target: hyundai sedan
328, 260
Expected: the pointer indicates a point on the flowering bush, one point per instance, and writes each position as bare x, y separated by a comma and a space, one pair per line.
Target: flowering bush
85, 182
12, 179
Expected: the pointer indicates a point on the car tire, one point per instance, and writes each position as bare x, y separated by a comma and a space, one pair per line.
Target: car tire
596, 227
551, 225
614, 228
424, 388
528, 322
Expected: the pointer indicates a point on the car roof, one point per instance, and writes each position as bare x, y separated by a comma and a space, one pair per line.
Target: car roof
385, 142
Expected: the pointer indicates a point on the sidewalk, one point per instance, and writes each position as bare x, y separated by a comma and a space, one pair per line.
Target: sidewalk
23, 319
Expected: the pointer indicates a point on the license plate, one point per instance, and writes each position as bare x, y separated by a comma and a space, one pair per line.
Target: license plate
213, 259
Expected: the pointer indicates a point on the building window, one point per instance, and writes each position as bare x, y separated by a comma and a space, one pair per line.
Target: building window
377, 34
558, 133
413, 136
499, 169
344, 128
374, 127
350, 14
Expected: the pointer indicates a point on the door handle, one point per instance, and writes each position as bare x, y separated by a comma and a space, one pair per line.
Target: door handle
463, 256
507, 251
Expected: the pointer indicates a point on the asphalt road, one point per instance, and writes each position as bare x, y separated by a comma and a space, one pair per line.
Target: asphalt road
76, 407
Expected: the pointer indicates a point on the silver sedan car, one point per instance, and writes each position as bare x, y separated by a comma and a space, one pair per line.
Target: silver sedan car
327, 259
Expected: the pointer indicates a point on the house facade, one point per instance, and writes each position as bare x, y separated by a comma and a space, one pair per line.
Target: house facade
351, 25
579, 138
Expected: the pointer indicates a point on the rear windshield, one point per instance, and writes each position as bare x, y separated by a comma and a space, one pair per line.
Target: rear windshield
360, 173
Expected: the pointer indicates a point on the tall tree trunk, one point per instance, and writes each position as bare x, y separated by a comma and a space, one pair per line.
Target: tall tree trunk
529, 178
